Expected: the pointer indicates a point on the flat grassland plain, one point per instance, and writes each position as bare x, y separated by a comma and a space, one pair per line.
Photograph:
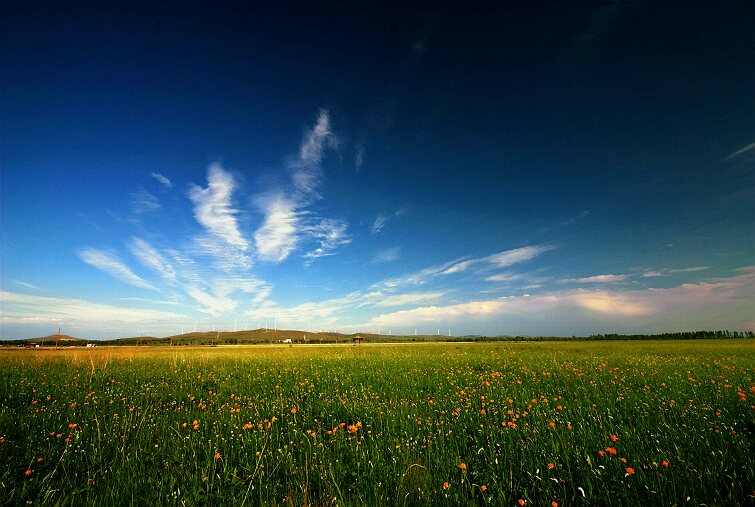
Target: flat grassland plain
577, 423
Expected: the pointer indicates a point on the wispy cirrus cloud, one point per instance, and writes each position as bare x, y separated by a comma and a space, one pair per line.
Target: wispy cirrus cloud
609, 278
387, 255
666, 272
289, 220
741, 151
306, 168
331, 235
687, 306
378, 224
382, 220
143, 202
162, 180
410, 298
278, 235
23, 284
26, 308
504, 259
212, 207
151, 258
516, 256
109, 263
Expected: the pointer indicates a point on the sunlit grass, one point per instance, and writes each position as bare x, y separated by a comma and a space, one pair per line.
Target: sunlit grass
641, 423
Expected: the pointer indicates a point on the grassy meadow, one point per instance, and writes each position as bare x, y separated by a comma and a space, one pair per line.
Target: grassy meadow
579, 423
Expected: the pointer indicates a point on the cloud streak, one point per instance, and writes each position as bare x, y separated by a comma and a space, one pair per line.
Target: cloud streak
151, 258
212, 207
278, 235
162, 180
741, 151
688, 306
113, 266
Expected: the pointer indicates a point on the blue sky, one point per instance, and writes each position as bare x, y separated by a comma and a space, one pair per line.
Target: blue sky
523, 169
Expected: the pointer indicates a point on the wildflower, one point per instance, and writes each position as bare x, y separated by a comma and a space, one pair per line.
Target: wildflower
463, 466
664, 463
483, 488
446, 485
40, 460
28, 472
630, 470
614, 438
551, 466
73, 426
217, 455
611, 450
601, 453
554, 504
293, 410
551, 424
521, 502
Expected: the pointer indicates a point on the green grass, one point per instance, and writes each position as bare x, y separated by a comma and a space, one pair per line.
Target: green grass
117, 426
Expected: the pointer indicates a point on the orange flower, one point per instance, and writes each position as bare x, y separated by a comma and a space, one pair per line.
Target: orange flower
611, 450
217, 455
630, 470
446, 485
28, 472
73, 426
554, 504
551, 424
521, 502
483, 488
463, 466
551, 466
614, 438
293, 410
601, 452
664, 463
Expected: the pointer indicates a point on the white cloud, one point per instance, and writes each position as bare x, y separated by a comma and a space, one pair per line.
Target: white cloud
459, 267
689, 270
21, 308
142, 202
211, 304
212, 207
387, 255
600, 279
411, 298
331, 234
665, 272
506, 277
516, 256
25, 285
306, 175
497, 260
152, 259
164, 181
651, 274
359, 156
724, 303
378, 224
741, 151
277, 237
110, 264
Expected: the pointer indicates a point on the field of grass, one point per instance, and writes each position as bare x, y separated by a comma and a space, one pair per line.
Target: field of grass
630, 423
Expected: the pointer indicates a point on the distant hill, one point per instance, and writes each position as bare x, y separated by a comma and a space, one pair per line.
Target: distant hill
61, 340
